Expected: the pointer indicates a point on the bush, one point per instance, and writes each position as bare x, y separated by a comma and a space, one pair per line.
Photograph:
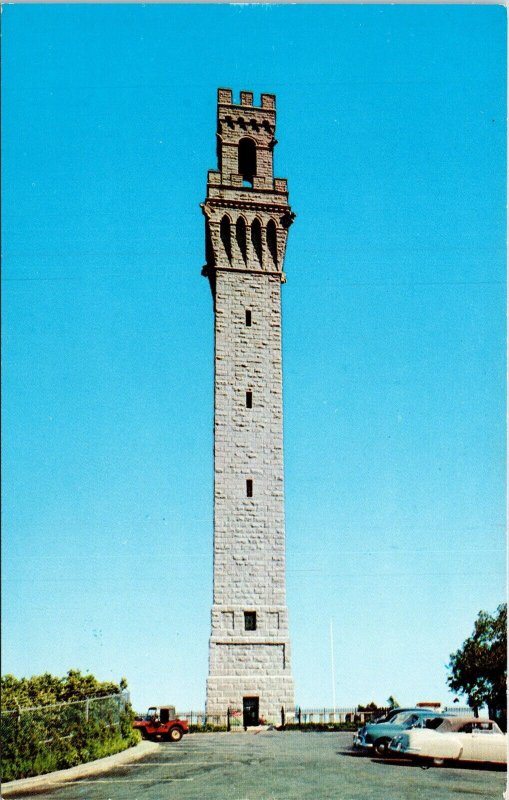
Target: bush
208, 728
57, 735
33, 749
290, 726
321, 726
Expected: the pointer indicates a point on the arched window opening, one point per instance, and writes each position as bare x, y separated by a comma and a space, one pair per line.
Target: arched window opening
272, 240
225, 231
256, 239
241, 237
247, 160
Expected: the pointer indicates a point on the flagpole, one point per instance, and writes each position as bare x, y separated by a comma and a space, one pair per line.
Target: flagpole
332, 670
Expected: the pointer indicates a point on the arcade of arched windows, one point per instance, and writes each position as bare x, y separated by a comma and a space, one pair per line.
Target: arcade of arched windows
247, 243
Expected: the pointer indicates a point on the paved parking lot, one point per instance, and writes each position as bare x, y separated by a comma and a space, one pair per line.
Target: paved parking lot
278, 766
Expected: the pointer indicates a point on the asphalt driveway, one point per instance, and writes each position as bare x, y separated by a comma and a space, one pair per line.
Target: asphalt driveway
275, 766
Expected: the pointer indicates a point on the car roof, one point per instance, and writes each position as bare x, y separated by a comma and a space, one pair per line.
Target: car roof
418, 710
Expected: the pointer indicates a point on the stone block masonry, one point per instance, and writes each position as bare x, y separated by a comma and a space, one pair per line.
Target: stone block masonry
247, 217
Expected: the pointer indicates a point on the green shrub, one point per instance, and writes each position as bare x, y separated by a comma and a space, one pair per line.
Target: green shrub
208, 728
51, 737
322, 726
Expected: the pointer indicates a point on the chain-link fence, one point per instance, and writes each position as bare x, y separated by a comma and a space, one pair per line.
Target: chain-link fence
44, 738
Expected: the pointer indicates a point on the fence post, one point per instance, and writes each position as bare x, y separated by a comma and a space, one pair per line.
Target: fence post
87, 709
282, 717
228, 726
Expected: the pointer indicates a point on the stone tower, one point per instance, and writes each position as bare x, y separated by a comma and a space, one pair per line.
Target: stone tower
247, 217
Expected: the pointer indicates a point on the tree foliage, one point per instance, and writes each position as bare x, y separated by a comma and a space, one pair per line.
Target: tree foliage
479, 668
50, 723
42, 690
371, 706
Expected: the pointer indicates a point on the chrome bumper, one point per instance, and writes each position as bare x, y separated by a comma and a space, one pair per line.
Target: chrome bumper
358, 741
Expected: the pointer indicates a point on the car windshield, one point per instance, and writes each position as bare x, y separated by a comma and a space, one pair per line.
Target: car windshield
402, 718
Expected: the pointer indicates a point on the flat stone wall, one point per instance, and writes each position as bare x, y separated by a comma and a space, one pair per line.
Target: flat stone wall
249, 535
249, 546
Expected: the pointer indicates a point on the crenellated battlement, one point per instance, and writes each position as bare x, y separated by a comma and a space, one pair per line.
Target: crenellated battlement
225, 97
277, 185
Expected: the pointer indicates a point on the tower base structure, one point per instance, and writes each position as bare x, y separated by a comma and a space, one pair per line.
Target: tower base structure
250, 669
270, 693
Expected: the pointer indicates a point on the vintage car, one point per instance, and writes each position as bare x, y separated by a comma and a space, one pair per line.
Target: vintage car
455, 739
376, 736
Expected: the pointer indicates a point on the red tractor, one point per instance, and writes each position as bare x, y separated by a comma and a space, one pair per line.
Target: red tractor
160, 723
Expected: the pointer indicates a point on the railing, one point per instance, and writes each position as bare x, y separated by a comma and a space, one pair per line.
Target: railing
303, 716
324, 715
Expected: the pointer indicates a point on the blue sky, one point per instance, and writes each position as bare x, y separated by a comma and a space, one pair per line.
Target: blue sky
391, 123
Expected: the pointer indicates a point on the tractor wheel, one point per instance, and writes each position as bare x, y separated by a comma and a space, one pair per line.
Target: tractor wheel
175, 735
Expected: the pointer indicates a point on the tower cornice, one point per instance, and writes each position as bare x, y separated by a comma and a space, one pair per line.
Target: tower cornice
247, 205
209, 271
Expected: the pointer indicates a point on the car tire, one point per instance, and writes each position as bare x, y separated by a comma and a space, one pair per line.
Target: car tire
381, 748
175, 735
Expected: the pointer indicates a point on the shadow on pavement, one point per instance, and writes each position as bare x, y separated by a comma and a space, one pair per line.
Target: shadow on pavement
407, 762
465, 765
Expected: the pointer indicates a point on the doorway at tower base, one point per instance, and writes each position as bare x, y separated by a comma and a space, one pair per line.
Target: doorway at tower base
250, 711
268, 693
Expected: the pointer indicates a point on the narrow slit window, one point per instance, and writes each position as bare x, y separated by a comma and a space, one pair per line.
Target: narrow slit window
248, 317
249, 399
250, 620
249, 487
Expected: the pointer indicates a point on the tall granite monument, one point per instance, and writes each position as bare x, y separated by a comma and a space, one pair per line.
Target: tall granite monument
247, 217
